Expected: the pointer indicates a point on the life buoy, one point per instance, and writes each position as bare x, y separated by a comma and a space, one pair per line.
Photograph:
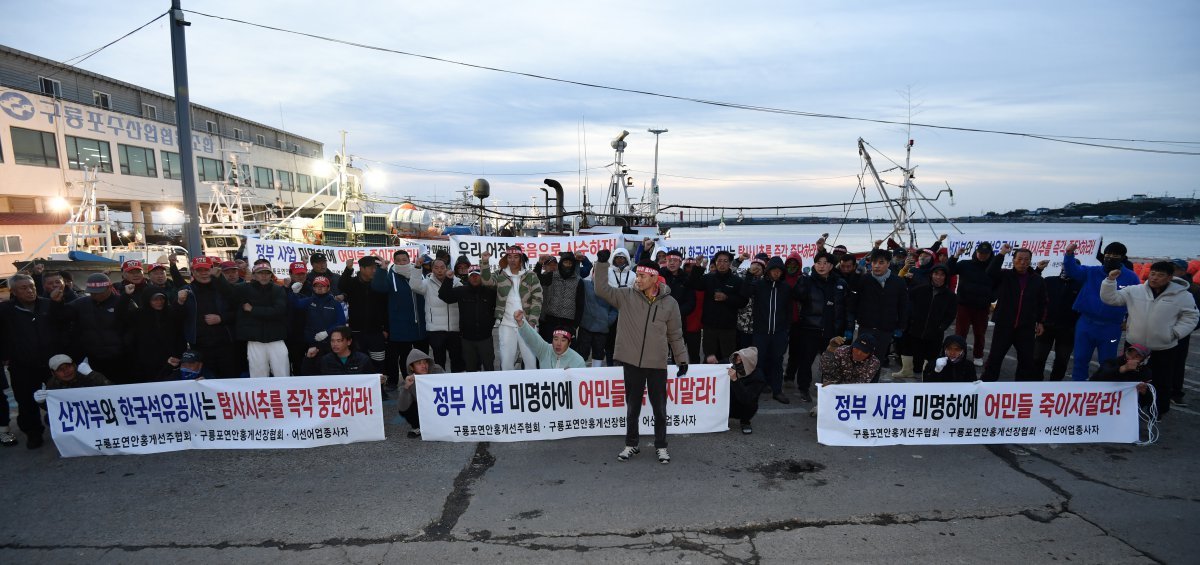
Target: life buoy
314, 237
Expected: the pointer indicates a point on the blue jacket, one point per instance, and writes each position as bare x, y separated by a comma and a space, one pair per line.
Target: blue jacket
598, 315
321, 314
406, 309
1089, 304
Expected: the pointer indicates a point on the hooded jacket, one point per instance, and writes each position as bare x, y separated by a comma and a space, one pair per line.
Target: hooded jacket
562, 291
1158, 322
1089, 303
933, 308
405, 310
960, 371
772, 300
440, 316
719, 315
744, 392
794, 278
646, 327
620, 277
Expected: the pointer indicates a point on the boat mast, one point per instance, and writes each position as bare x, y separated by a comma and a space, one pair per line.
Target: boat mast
653, 211
618, 175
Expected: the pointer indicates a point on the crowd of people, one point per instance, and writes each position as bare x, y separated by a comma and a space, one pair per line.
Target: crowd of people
770, 318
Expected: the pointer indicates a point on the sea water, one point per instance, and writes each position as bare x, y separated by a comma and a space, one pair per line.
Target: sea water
1145, 240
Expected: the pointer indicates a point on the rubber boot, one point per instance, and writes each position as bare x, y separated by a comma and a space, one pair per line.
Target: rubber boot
906, 368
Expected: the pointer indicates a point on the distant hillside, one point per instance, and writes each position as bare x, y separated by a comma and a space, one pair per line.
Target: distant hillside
1143, 207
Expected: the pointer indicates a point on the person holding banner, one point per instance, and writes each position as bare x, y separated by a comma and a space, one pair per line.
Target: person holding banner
555, 355
648, 324
341, 359
952, 366
418, 363
516, 290
843, 364
1099, 325
745, 386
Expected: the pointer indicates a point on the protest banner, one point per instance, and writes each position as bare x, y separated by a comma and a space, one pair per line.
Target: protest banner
772, 246
216, 414
562, 403
1047, 247
974, 413
534, 247
282, 253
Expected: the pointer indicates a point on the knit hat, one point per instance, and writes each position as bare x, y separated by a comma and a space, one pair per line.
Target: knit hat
58, 361
98, 283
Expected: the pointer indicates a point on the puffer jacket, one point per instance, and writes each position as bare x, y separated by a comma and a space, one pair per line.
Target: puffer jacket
321, 313
1158, 322
772, 301
476, 308
620, 277
645, 327
440, 316
822, 304
97, 331
880, 307
678, 283
266, 321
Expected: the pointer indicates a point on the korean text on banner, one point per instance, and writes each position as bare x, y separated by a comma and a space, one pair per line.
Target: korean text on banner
282, 253
534, 247
972, 413
773, 246
1046, 247
562, 403
216, 414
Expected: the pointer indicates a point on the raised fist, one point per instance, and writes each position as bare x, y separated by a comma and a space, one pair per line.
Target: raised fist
1070, 250
129, 288
1113, 274
485, 257
837, 342
1004, 249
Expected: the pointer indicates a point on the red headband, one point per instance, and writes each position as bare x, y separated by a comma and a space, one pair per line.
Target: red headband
563, 334
644, 270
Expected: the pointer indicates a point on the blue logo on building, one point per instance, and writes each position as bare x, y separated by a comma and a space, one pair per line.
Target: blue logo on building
17, 105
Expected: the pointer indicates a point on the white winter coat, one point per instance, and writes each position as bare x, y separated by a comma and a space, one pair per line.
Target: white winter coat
624, 277
1156, 322
439, 316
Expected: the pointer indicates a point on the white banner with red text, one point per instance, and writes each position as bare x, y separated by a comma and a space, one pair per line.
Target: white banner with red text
534, 247
561, 403
973, 413
282, 413
282, 253
772, 246
1045, 247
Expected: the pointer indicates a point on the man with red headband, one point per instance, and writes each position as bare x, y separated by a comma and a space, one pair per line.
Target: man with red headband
649, 322
554, 355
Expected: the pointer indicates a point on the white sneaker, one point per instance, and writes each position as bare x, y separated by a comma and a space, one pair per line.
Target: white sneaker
978, 361
663, 456
7, 439
628, 452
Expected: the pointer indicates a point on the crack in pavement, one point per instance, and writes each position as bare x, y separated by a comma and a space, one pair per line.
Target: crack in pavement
1084, 477
1009, 458
459, 498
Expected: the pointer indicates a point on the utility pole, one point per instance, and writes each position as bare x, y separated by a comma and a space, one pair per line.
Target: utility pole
183, 120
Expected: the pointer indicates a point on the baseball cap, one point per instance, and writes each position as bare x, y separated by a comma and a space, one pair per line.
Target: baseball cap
984, 246
866, 344
368, 261
98, 282
262, 267
156, 266
227, 265
201, 263
58, 360
131, 265
298, 267
317, 257
323, 281
191, 356
474, 270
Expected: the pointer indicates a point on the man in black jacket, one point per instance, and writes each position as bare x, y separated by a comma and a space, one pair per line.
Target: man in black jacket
96, 327
1020, 311
262, 324
1059, 333
880, 305
29, 336
341, 359
821, 297
368, 309
934, 307
208, 306
772, 312
722, 299
975, 295
476, 318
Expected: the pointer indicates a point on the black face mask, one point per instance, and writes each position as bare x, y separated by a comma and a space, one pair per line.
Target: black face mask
739, 368
566, 269
1113, 264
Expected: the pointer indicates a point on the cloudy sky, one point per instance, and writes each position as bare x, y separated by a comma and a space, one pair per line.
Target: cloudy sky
1073, 68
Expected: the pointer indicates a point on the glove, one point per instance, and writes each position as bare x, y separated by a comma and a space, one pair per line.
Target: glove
321, 336
896, 334
682, 370
940, 364
296, 287
849, 335
603, 255
39, 396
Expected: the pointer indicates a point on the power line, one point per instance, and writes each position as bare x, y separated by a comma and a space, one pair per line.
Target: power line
1070, 139
468, 173
661, 174
88, 55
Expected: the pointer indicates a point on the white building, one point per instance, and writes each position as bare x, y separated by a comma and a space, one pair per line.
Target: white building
57, 120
